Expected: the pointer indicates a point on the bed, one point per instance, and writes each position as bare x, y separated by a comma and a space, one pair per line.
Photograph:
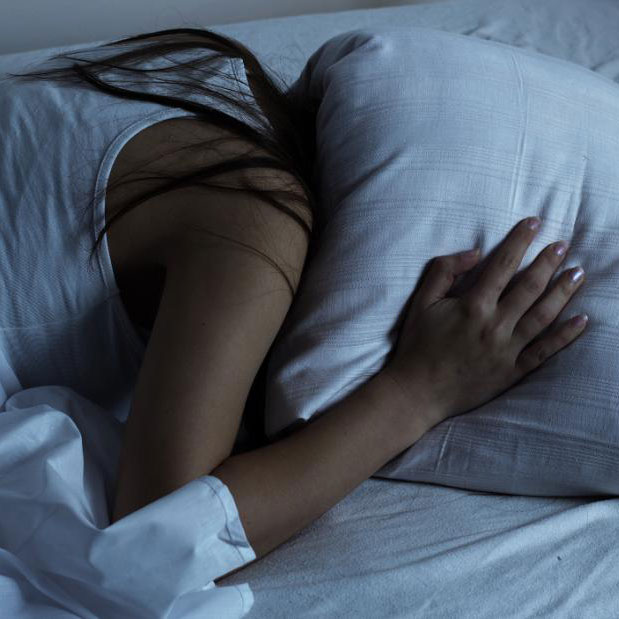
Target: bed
412, 549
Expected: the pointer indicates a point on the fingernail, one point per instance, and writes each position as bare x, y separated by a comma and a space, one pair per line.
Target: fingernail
577, 274
580, 320
534, 223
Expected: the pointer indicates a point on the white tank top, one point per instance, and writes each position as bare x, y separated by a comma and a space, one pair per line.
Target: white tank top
62, 320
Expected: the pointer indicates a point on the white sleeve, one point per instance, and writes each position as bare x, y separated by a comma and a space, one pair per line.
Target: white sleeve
232, 543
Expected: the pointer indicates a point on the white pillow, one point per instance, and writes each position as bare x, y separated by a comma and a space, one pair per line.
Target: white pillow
429, 143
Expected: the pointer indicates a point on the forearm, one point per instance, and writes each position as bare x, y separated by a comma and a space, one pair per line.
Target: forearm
281, 488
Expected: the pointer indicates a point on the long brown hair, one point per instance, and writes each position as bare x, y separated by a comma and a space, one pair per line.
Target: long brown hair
287, 130
286, 123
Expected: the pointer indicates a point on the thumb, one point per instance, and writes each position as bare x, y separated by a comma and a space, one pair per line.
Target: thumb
442, 275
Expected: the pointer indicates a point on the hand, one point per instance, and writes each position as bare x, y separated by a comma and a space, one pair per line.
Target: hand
458, 353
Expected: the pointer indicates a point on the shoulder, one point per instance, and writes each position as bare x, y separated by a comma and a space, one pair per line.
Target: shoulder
201, 219
205, 218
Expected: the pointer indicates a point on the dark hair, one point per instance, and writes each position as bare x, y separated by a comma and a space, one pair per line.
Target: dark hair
286, 122
287, 130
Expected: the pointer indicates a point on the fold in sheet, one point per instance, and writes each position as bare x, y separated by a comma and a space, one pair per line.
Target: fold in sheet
59, 557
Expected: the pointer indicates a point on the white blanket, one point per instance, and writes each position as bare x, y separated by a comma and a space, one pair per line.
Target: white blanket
59, 557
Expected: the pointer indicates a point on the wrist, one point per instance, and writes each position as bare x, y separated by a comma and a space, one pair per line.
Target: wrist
413, 415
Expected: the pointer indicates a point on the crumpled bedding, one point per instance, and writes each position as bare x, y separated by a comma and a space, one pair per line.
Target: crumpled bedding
59, 556
389, 549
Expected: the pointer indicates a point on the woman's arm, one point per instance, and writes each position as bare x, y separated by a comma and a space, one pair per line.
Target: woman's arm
281, 488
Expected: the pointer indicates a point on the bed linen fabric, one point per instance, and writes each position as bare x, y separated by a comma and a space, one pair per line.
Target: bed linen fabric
390, 548
59, 554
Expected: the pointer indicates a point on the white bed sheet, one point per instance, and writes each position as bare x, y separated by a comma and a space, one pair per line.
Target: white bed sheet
400, 549
59, 555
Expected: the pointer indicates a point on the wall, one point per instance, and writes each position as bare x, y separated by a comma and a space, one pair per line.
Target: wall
35, 24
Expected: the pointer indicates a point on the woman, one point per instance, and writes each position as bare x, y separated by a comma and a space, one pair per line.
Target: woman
204, 356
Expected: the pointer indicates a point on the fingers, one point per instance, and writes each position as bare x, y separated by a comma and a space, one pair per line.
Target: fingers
534, 355
530, 286
544, 312
502, 266
441, 276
